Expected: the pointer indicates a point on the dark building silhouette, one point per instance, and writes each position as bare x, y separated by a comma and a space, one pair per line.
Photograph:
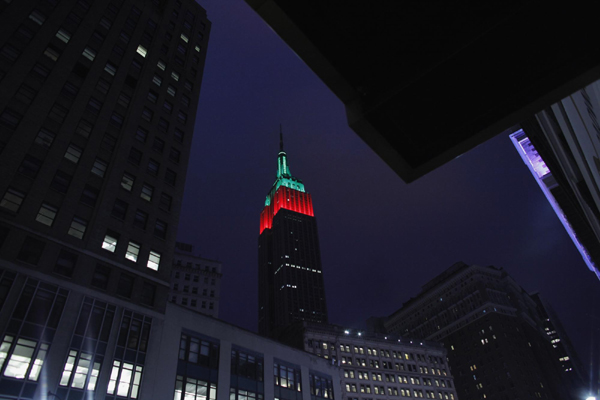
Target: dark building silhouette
497, 344
289, 259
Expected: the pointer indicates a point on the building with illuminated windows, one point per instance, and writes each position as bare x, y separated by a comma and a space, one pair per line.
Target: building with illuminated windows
195, 281
495, 335
290, 277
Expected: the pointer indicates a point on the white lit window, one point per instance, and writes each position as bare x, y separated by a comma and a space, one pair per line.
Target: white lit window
146, 193
161, 65
154, 260
133, 250
73, 153
127, 181
20, 360
77, 228
90, 54
125, 379
63, 35
85, 367
195, 389
157, 80
175, 75
46, 214
141, 50
109, 243
184, 38
197, 48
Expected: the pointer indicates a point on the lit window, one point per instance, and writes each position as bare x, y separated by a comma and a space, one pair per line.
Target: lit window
146, 193
89, 53
77, 228
12, 200
125, 379
51, 53
110, 68
46, 214
37, 17
175, 75
154, 260
133, 251
171, 90
161, 65
20, 360
63, 35
99, 168
127, 181
157, 80
73, 153
197, 48
141, 50
110, 242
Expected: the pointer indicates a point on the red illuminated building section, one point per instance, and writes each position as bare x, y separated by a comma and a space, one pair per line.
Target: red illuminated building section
289, 199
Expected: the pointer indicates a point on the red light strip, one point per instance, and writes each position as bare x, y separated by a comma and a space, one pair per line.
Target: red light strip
289, 199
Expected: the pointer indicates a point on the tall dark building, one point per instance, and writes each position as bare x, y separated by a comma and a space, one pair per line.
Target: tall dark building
98, 100
289, 260
498, 347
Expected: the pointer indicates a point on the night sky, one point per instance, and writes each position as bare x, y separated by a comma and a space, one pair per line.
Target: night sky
381, 239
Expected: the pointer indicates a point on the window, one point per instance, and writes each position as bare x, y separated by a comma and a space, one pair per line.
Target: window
37, 16
26, 94
153, 167
110, 68
142, 51
110, 241
154, 260
188, 85
148, 294
147, 191
184, 38
12, 200
152, 97
94, 105
165, 202
89, 53
30, 166
185, 101
178, 134
171, 90
170, 177
105, 23
52, 53
77, 228
157, 80
31, 251
99, 168
161, 65
58, 113
84, 128
44, 138
181, 48
65, 264
168, 107
287, 377
182, 117
147, 114
160, 229
21, 357
163, 125
133, 251
73, 153
103, 86
135, 156
174, 155
61, 181
140, 219
108, 142
82, 366
119, 209
158, 145
175, 75
46, 214
141, 134
125, 379
127, 181
100, 277
124, 99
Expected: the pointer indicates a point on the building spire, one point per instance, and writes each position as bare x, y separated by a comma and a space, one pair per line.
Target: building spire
280, 138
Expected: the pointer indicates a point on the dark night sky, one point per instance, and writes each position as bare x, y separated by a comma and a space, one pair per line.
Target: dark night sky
381, 239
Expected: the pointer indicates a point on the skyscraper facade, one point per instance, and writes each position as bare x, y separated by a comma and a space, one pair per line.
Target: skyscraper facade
97, 107
497, 344
291, 284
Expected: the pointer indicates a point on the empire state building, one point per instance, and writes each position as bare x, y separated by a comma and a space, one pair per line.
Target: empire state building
289, 259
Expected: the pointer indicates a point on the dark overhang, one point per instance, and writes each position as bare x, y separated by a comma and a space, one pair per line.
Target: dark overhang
425, 81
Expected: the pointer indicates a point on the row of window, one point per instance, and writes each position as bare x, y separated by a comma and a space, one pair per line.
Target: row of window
375, 376
111, 240
186, 289
397, 392
194, 303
